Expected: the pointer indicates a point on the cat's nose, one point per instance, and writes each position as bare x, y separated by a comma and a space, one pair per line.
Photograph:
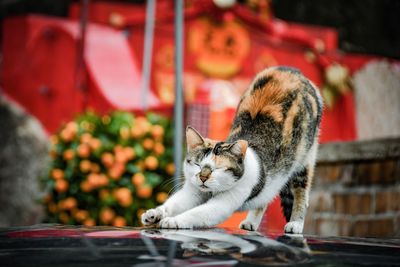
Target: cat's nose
204, 178
205, 174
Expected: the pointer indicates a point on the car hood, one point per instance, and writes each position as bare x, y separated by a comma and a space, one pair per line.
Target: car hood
58, 245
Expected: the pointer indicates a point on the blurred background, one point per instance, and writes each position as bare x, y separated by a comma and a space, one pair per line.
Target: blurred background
87, 94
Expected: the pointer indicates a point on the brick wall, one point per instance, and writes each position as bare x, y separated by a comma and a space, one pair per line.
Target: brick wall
356, 190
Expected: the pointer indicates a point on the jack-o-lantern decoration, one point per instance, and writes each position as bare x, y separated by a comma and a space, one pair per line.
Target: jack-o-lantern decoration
219, 48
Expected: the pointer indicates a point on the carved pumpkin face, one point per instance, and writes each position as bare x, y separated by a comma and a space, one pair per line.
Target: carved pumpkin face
219, 48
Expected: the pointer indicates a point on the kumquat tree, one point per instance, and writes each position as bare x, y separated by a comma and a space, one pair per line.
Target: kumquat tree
107, 170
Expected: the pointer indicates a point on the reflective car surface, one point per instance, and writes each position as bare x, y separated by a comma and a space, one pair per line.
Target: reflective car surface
57, 245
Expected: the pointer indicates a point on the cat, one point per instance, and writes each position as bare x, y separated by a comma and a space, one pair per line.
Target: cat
271, 150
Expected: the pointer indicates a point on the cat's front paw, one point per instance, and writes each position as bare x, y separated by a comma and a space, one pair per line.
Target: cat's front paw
152, 216
174, 223
248, 225
294, 227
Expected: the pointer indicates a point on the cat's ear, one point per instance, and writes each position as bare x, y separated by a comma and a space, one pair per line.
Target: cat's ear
193, 138
239, 148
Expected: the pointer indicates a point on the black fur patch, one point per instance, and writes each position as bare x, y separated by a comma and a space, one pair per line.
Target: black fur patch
261, 82
286, 202
300, 178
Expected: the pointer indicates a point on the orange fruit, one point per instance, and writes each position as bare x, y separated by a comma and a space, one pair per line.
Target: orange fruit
107, 159
83, 150
64, 218
69, 203
116, 171
102, 180
129, 153
120, 156
138, 179
151, 163
123, 196
67, 135
89, 222
124, 132
86, 186
119, 221
161, 197
107, 215
95, 143
52, 207
144, 191
68, 154
143, 123
136, 132
53, 154
118, 148
61, 186
54, 139
72, 126
85, 165
170, 168
94, 167
148, 144
93, 180
157, 131
106, 119
159, 149
81, 215
57, 174
85, 138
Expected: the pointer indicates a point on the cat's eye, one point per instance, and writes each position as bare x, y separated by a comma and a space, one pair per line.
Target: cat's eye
192, 162
218, 150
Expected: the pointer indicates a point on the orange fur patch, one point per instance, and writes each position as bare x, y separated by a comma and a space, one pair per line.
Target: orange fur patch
267, 100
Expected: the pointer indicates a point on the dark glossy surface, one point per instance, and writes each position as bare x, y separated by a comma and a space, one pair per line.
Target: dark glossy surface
54, 245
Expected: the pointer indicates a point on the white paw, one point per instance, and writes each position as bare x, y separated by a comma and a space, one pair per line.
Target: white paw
295, 227
152, 216
248, 225
174, 223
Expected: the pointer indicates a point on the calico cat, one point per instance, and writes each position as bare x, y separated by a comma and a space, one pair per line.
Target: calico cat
270, 150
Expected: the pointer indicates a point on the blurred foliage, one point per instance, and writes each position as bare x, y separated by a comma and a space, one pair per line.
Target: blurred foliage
107, 170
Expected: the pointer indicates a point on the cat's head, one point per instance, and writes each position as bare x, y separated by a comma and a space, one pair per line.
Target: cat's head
213, 166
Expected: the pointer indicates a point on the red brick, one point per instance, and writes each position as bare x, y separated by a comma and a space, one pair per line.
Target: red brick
360, 229
327, 174
353, 203
388, 169
324, 202
395, 200
339, 203
374, 228
383, 202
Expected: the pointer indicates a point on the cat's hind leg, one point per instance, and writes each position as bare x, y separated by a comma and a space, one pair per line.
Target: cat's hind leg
253, 219
300, 185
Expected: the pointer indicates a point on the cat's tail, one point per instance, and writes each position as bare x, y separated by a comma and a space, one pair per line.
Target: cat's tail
286, 201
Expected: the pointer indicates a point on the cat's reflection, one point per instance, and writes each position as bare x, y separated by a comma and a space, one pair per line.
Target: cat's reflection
249, 248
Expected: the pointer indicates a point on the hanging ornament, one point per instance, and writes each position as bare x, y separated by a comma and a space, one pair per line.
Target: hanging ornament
337, 82
219, 48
